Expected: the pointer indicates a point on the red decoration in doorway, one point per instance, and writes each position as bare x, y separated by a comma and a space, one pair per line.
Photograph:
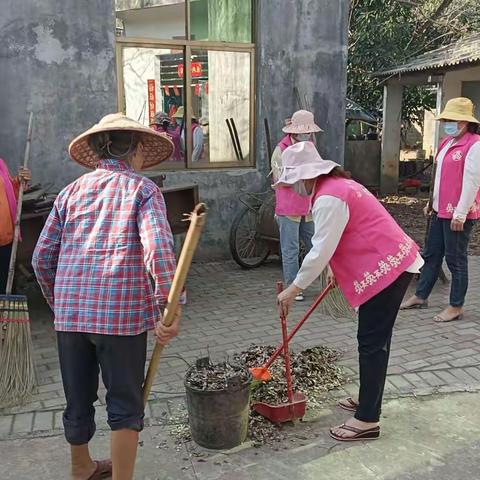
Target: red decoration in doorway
152, 101
167, 90
197, 89
176, 91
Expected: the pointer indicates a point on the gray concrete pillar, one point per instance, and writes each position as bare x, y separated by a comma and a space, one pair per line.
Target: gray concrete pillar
302, 44
392, 121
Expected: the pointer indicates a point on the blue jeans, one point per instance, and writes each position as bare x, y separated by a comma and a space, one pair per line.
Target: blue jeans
290, 235
443, 242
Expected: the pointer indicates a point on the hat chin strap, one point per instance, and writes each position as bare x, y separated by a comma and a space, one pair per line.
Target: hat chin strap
121, 155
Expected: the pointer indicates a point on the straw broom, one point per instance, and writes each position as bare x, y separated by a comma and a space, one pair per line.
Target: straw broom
197, 221
335, 304
17, 371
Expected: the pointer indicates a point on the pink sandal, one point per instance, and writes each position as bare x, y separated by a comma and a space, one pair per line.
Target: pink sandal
103, 470
348, 404
360, 435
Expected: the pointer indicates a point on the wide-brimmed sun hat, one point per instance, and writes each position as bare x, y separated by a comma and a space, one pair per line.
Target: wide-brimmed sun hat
301, 161
157, 147
180, 113
459, 109
302, 122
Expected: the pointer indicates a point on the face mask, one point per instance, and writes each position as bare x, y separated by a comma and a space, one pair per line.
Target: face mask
303, 137
300, 189
451, 128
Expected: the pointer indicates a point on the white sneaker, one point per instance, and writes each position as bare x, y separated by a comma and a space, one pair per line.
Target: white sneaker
300, 297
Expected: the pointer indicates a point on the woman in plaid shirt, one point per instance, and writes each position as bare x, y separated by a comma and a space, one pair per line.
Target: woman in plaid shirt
106, 237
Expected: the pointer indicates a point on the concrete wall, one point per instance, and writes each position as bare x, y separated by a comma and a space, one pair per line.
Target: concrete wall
452, 82
57, 59
362, 160
303, 44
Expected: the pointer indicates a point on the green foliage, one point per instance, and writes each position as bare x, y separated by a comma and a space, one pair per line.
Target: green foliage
385, 33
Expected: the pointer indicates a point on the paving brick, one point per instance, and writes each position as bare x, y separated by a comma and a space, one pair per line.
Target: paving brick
463, 362
414, 379
43, 421
474, 372
400, 382
58, 420
22, 423
431, 379
415, 365
6, 422
463, 376
447, 377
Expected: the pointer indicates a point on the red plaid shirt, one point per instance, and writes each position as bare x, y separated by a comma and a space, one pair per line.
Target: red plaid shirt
105, 233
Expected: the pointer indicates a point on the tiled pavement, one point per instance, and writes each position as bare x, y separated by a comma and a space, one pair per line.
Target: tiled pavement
230, 308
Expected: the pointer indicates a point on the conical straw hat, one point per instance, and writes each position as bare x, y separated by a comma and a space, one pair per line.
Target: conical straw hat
157, 147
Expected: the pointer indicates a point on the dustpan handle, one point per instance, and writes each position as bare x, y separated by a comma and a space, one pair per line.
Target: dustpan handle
286, 354
16, 232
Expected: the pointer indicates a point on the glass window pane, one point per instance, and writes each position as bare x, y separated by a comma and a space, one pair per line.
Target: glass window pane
221, 107
161, 19
221, 20
154, 91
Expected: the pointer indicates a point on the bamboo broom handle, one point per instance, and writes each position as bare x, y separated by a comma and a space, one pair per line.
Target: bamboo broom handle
16, 233
197, 221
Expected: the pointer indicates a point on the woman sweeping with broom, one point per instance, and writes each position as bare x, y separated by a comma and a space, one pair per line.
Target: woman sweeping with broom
373, 262
107, 232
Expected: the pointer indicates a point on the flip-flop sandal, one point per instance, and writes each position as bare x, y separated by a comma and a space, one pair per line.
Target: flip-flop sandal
440, 319
103, 470
416, 306
349, 404
360, 435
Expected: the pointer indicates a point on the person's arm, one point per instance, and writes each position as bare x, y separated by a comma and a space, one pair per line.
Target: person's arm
330, 216
157, 241
197, 144
23, 174
470, 183
45, 255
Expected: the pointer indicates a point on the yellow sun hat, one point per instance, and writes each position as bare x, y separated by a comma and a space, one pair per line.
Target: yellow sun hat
459, 109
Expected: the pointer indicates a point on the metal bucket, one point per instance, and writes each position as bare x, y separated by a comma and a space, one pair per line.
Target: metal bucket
219, 418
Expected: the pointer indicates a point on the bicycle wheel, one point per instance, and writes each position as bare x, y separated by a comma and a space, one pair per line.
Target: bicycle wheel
247, 249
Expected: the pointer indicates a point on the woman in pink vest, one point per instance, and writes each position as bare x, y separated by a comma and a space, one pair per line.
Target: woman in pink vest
373, 262
455, 209
8, 214
292, 211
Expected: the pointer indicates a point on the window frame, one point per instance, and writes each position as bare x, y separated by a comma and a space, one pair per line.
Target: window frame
187, 46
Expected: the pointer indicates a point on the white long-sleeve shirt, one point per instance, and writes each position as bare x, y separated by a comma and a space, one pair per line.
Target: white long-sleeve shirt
330, 215
197, 139
470, 183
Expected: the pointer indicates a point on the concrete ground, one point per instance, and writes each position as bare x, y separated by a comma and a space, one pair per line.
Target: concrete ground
434, 438
425, 433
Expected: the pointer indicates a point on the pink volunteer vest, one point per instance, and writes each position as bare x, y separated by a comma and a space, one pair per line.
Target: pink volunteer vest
287, 202
373, 251
451, 177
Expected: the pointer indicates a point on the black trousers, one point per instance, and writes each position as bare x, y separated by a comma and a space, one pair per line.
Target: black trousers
121, 360
5, 252
375, 326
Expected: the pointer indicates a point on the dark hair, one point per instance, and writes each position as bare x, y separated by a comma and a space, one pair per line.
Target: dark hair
115, 144
339, 172
473, 128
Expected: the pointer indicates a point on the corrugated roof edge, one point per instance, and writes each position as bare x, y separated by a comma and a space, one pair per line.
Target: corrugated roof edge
466, 50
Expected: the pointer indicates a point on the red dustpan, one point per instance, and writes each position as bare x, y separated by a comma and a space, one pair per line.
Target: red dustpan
295, 407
